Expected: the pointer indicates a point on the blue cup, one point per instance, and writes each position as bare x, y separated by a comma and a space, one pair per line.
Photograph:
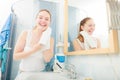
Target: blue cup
60, 58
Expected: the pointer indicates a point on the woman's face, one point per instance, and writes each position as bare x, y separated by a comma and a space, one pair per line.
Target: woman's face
43, 19
89, 26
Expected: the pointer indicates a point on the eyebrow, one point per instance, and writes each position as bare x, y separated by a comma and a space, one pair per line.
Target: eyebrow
42, 16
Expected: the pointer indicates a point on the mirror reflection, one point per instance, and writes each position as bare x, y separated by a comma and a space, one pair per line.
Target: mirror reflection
84, 39
91, 18
101, 20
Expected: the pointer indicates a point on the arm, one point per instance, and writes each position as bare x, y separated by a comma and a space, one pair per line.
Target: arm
19, 52
76, 45
48, 54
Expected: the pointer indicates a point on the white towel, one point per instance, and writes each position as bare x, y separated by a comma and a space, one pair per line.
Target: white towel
89, 41
45, 38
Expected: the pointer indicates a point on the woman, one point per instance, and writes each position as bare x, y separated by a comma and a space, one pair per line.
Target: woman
31, 47
84, 39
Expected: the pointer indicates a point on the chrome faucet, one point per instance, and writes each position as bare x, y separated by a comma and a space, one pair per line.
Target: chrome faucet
71, 71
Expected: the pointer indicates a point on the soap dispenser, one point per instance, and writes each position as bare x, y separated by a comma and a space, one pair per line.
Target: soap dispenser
59, 58
59, 62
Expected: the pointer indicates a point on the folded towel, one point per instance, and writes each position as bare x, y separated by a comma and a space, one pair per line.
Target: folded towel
89, 41
45, 38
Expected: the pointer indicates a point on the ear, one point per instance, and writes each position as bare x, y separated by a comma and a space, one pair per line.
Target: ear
82, 27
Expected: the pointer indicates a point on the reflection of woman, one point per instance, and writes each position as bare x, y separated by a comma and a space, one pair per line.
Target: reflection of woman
85, 40
35, 47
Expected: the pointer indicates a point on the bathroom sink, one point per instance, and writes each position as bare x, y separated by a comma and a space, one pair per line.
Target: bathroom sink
41, 76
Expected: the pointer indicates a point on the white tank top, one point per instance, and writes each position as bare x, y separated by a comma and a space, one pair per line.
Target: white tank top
34, 62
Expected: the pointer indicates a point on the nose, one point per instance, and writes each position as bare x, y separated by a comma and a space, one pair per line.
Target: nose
43, 21
92, 27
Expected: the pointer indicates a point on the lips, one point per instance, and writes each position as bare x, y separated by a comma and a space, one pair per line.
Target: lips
90, 32
42, 24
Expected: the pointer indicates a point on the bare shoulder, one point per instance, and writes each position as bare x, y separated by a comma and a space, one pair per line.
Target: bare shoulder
23, 34
20, 42
75, 41
22, 37
76, 45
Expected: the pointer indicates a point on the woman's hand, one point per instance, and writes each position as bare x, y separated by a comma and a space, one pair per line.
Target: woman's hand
43, 28
47, 54
37, 47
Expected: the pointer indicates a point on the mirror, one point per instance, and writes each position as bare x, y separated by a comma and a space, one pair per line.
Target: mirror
99, 11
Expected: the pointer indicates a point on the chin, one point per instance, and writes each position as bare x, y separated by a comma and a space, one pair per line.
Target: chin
90, 33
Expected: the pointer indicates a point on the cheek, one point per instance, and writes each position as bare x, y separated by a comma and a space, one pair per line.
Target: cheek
86, 28
48, 22
37, 20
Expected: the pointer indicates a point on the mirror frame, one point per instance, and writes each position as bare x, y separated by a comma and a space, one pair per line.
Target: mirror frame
113, 40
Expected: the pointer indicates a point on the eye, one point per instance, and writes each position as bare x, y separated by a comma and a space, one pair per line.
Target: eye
90, 25
47, 19
40, 17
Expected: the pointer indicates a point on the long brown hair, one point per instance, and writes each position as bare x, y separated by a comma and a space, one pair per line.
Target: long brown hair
41, 11
80, 37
